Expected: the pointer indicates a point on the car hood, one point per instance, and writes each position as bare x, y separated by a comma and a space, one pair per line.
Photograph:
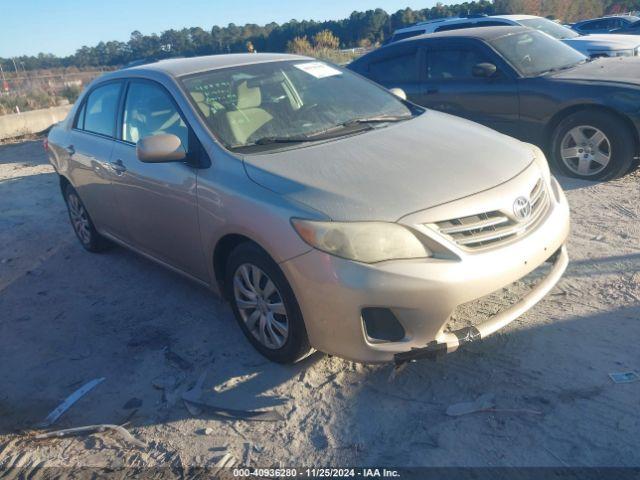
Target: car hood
618, 70
603, 42
386, 173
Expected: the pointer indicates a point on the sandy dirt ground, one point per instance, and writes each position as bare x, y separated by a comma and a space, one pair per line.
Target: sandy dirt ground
68, 316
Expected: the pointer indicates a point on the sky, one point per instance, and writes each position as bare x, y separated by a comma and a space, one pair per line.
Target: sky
62, 26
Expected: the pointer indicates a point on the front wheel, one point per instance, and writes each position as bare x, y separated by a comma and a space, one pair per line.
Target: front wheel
592, 145
264, 305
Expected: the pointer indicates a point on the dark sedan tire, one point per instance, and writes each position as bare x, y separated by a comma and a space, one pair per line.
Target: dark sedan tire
264, 305
592, 145
82, 224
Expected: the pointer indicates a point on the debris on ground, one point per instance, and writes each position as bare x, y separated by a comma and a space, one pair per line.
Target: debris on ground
176, 360
89, 429
483, 402
195, 406
246, 456
69, 401
224, 413
193, 395
624, 377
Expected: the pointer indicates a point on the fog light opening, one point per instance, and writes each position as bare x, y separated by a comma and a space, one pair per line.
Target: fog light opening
381, 325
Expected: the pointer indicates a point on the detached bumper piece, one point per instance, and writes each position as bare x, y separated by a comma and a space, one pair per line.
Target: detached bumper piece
454, 339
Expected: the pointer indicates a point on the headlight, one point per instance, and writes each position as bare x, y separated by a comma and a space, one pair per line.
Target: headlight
367, 242
541, 161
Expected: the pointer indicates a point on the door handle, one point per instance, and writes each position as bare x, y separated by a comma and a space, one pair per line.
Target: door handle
432, 91
70, 149
118, 167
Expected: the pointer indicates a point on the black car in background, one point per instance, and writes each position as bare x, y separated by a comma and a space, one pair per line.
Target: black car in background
585, 113
630, 29
604, 24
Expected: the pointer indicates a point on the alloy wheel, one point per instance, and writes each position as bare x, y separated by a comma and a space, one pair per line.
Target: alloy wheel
261, 306
79, 218
585, 150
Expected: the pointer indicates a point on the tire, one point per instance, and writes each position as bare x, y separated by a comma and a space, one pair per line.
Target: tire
82, 224
275, 306
592, 145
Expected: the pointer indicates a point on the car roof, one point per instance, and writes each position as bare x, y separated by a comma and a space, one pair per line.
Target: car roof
450, 20
631, 18
481, 33
178, 67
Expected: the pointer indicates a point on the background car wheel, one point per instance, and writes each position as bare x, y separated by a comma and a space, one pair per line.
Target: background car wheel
264, 305
89, 238
592, 145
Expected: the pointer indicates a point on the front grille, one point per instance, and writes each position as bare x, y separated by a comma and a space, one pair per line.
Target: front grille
495, 228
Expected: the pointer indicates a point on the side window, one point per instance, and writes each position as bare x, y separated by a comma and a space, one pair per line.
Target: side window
454, 26
148, 110
402, 68
453, 64
98, 115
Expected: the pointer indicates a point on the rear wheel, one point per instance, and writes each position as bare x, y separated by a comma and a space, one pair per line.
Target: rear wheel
264, 305
82, 224
593, 145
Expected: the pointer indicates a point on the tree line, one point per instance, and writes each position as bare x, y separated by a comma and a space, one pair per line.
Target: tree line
359, 29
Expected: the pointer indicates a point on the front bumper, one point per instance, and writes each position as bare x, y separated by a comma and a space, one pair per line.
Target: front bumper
422, 294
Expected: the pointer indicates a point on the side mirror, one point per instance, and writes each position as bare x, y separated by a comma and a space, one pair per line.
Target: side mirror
484, 70
398, 92
161, 148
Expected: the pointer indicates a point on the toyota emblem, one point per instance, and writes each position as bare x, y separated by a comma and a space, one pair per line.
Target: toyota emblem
522, 208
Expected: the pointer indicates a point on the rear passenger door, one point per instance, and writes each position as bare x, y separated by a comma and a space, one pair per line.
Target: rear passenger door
451, 87
90, 143
158, 200
397, 66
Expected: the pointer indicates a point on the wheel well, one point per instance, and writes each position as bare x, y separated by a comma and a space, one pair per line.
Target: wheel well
558, 117
221, 253
63, 183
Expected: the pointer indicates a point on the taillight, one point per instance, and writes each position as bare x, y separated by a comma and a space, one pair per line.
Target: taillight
45, 144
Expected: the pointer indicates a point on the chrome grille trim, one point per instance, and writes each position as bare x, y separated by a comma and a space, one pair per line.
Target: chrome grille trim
491, 229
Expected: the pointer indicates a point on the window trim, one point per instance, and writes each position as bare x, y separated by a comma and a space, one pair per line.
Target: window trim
82, 109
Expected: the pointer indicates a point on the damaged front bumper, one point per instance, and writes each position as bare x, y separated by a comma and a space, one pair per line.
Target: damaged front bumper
457, 338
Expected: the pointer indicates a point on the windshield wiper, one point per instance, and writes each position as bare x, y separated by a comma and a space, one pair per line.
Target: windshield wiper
271, 140
378, 119
338, 130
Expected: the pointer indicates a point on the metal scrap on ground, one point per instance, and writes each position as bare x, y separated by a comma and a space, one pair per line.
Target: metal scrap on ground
624, 377
195, 406
69, 432
69, 401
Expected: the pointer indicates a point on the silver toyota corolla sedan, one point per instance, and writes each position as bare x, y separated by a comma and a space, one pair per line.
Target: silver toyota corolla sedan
331, 213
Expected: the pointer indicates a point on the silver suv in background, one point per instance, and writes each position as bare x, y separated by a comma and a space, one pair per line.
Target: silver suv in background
589, 45
329, 212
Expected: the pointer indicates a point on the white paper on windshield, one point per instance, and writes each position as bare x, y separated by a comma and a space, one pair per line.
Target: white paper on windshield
318, 69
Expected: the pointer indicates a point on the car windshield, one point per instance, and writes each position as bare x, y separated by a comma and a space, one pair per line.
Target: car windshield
252, 107
550, 28
534, 53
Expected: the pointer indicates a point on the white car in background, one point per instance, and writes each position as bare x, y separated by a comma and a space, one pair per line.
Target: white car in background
597, 45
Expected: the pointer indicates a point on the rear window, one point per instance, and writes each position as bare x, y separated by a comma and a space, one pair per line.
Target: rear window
98, 114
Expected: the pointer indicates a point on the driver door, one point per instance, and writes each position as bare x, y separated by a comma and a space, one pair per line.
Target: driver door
451, 87
157, 200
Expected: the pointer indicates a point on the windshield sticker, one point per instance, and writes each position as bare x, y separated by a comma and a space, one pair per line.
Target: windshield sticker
318, 69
